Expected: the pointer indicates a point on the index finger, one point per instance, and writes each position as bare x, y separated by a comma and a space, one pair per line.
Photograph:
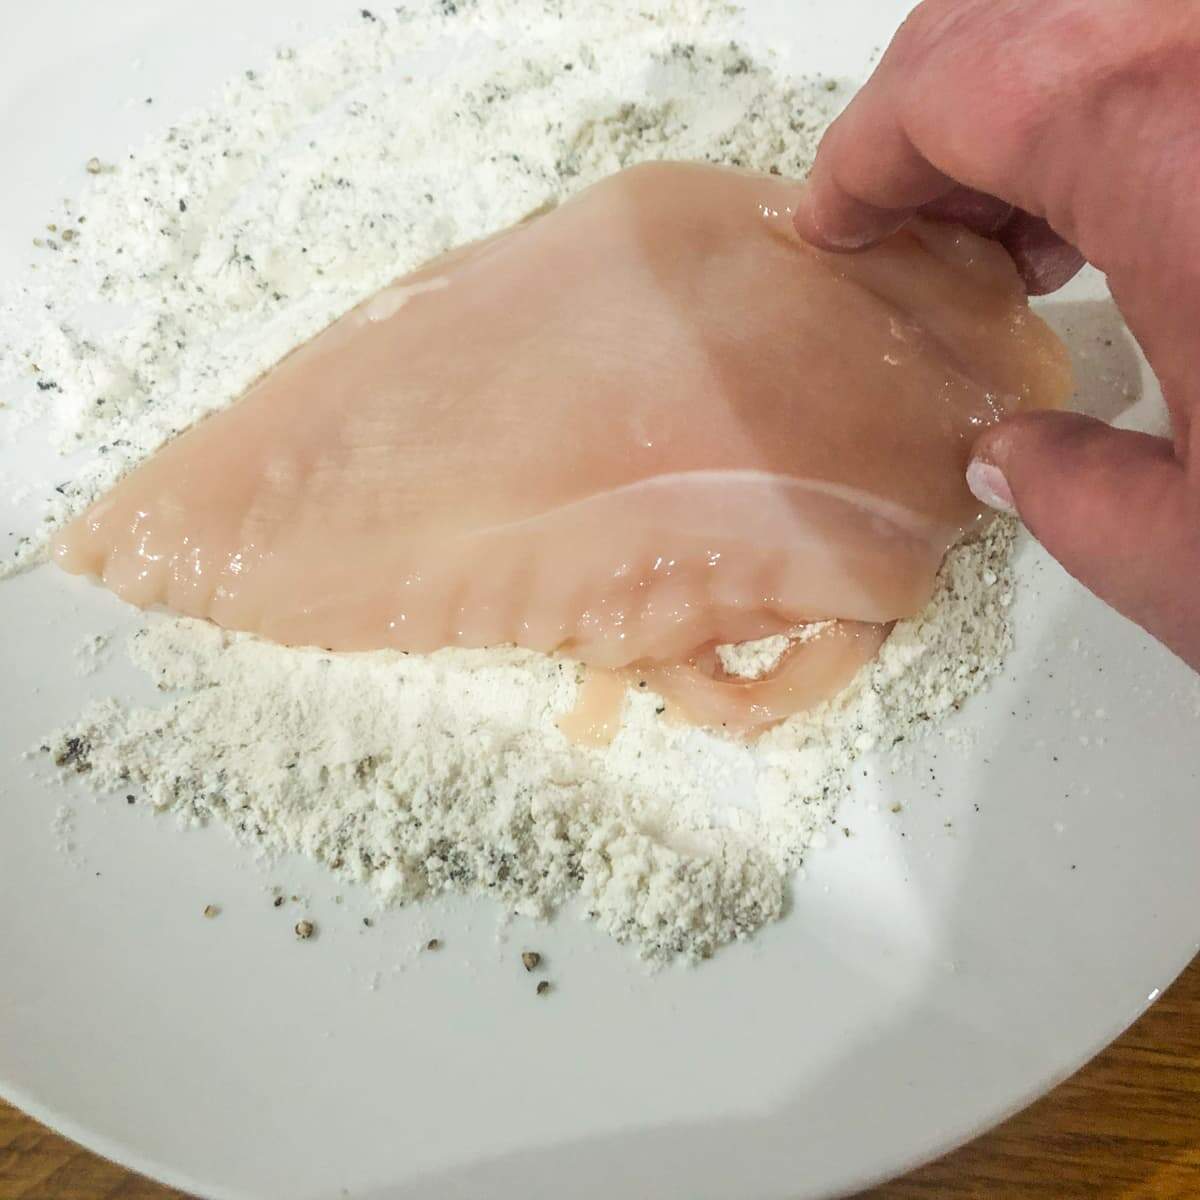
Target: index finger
868, 177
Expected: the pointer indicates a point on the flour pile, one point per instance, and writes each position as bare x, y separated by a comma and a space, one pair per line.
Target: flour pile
248, 227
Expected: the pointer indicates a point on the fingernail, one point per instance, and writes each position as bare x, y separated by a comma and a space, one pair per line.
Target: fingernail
813, 225
988, 486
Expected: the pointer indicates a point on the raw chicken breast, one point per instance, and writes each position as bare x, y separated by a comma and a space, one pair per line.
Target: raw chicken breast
650, 421
811, 670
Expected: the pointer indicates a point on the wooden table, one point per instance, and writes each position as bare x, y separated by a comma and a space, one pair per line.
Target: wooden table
1127, 1126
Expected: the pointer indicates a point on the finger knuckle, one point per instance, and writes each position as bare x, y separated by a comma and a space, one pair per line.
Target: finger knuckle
935, 23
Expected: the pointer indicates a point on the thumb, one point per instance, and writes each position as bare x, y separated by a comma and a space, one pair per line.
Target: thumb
1114, 507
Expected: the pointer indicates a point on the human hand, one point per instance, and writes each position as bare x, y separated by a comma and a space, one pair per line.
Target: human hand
1069, 130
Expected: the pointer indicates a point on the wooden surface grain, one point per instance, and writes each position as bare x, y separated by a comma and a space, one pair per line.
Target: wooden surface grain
1127, 1127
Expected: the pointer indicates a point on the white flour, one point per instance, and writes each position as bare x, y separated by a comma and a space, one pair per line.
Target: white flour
248, 227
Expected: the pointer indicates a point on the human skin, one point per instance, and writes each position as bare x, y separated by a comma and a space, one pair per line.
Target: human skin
1070, 131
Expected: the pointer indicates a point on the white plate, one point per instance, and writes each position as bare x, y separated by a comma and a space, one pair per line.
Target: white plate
939, 969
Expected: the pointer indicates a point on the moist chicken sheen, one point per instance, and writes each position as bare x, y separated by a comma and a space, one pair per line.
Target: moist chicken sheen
650, 421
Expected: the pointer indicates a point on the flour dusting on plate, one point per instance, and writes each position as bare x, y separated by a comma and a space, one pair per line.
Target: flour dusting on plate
244, 229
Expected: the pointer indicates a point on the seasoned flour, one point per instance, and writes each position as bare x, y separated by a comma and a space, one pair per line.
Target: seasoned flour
245, 228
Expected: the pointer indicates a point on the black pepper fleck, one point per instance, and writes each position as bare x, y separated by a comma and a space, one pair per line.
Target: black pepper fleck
74, 753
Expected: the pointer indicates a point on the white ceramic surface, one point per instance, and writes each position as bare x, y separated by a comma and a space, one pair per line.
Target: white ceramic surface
938, 969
